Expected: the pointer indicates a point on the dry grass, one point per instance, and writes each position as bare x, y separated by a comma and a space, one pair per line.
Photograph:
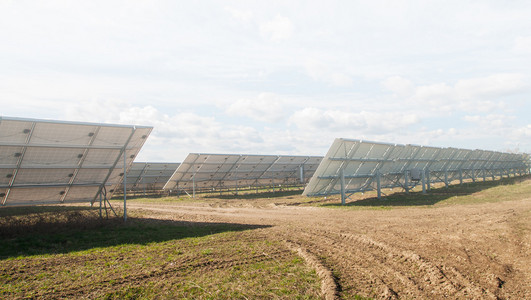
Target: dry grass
43, 255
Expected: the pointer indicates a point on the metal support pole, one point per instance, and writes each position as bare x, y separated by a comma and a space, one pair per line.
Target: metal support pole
423, 181
144, 183
100, 207
484, 175
446, 178
378, 186
460, 176
473, 175
302, 173
428, 179
193, 186
406, 183
342, 180
105, 205
125, 186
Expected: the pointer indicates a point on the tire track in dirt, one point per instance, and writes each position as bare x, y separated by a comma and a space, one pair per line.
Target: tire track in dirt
389, 268
452, 281
354, 265
329, 286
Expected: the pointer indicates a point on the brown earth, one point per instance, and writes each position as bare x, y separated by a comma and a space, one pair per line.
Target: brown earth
473, 251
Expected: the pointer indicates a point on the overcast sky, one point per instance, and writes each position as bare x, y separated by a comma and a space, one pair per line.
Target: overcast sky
274, 77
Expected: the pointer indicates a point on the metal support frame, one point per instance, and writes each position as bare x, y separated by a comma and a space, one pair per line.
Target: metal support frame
125, 185
342, 180
465, 165
406, 183
104, 200
423, 179
428, 180
100, 206
122, 151
378, 186
193, 185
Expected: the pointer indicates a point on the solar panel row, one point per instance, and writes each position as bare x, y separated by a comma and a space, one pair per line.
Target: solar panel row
355, 166
56, 162
207, 172
149, 176
44, 161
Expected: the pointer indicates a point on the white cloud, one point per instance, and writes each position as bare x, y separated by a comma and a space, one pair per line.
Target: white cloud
265, 108
523, 132
242, 15
491, 86
491, 121
435, 94
480, 94
188, 69
522, 44
278, 29
326, 73
352, 122
399, 85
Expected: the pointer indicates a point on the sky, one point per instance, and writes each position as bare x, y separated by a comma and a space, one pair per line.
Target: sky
274, 77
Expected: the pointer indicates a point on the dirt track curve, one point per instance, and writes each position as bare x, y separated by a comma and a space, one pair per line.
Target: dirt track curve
479, 251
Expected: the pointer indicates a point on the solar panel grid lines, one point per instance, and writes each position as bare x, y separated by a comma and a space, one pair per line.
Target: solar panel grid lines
213, 172
355, 166
149, 176
47, 161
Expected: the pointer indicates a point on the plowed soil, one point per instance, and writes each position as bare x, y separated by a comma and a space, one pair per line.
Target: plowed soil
472, 251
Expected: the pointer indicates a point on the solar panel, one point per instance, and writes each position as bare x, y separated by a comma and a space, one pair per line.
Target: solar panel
149, 176
209, 172
352, 166
47, 162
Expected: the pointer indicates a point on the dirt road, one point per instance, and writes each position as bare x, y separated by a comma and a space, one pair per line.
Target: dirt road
479, 251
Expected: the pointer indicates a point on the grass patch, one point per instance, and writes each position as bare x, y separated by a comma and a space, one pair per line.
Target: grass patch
146, 258
67, 230
506, 189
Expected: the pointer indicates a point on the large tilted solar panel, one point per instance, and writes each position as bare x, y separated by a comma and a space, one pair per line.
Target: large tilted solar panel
149, 176
45, 162
359, 163
209, 172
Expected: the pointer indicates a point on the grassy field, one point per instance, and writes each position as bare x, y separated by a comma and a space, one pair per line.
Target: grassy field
50, 252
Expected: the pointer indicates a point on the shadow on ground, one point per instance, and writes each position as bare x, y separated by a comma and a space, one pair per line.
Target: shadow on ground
251, 195
432, 196
59, 229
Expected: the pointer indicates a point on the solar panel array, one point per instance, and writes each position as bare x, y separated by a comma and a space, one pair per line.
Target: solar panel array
207, 172
45, 162
354, 166
149, 176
